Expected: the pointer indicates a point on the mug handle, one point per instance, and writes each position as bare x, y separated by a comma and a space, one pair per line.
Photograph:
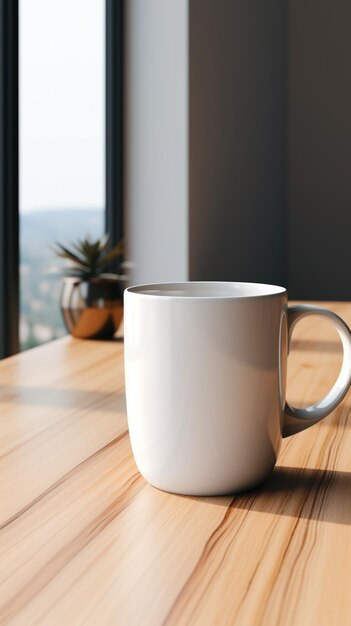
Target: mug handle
296, 420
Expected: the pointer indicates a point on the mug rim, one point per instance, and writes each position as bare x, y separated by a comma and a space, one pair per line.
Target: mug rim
269, 291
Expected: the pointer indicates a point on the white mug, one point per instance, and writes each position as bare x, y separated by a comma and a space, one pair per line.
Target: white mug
205, 366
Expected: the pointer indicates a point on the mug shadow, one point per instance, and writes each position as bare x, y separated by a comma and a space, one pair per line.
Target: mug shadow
313, 494
65, 397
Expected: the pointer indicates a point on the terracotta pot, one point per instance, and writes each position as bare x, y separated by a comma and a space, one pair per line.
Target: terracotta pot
92, 309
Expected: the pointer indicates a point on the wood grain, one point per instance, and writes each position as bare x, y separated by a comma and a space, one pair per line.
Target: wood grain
84, 540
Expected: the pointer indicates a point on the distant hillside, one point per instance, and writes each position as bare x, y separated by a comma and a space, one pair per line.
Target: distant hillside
40, 288
43, 228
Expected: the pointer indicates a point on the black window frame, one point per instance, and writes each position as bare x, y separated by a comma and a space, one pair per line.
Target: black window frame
9, 156
114, 120
9, 192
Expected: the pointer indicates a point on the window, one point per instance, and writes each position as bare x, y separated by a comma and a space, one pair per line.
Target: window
61, 147
69, 54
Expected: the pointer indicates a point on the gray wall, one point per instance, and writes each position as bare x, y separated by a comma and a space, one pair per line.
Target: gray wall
238, 142
205, 139
156, 140
319, 173
237, 139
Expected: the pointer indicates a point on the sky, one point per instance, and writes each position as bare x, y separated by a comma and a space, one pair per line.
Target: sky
62, 104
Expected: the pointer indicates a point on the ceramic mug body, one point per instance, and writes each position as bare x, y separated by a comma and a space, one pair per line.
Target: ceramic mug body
205, 368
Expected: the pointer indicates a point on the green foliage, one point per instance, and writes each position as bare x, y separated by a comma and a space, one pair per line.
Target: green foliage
89, 258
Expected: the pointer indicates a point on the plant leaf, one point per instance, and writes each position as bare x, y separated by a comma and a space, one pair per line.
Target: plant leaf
110, 256
89, 258
67, 254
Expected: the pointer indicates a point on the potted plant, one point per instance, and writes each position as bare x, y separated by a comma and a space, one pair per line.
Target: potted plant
91, 299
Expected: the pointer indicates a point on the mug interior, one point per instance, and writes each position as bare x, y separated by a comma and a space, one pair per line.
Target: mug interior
193, 289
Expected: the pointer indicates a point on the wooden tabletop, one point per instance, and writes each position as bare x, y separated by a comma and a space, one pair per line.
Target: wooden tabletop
85, 541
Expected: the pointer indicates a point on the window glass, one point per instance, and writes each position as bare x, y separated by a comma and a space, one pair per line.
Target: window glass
61, 148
